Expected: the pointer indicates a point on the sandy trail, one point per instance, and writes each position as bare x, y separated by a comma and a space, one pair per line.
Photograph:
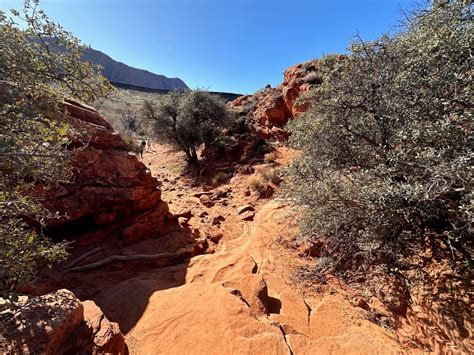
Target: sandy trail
239, 298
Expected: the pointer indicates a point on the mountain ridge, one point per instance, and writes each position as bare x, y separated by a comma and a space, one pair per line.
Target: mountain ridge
120, 72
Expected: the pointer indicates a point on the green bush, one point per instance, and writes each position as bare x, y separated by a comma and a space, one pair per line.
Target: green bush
132, 142
188, 119
40, 64
386, 163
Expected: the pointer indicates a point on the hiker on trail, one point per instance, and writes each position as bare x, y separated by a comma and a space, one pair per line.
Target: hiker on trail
142, 148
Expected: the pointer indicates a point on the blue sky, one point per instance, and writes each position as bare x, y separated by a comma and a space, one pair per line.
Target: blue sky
222, 45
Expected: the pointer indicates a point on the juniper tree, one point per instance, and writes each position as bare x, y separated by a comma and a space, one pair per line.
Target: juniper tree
386, 163
188, 119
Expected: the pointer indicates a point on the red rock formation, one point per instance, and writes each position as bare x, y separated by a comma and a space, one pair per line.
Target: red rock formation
272, 108
58, 323
108, 339
109, 185
46, 323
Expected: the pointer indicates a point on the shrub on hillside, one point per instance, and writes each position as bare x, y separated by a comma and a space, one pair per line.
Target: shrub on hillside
35, 77
188, 119
312, 78
386, 166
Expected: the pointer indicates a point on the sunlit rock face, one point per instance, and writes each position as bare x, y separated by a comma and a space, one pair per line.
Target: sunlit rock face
271, 108
109, 185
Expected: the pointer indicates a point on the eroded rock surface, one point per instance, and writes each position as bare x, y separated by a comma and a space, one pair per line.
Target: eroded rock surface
40, 325
58, 323
236, 301
271, 108
109, 186
107, 337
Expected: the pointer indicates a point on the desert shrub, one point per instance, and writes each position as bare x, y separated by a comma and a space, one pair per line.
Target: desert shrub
130, 122
385, 170
256, 182
219, 178
223, 141
34, 77
270, 157
133, 145
271, 175
239, 126
260, 148
306, 66
188, 119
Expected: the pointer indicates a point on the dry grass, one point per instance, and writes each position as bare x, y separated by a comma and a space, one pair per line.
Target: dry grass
256, 182
219, 178
176, 168
271, 175
270, 158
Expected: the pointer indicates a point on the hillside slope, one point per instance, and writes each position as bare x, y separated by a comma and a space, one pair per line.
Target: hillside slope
122, 73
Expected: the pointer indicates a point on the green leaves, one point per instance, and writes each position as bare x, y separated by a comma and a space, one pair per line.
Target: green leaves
40, 65
188, 119
387, 146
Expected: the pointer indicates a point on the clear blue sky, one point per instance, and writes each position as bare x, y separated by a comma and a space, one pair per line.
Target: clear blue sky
223, 45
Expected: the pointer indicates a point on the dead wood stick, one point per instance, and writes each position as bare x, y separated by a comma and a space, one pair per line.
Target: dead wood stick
138, 257
115, 258
83, 256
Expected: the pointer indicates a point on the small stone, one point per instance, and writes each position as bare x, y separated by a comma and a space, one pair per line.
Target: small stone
218, 219
206, 201
247, 216
216, 237
245, 208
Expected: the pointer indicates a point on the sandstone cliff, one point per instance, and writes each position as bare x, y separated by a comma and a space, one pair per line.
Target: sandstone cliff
110, 187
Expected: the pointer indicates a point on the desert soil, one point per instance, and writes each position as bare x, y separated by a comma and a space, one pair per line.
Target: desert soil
240, 297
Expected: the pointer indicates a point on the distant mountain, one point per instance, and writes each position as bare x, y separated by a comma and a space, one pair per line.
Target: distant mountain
121, 73
227, 96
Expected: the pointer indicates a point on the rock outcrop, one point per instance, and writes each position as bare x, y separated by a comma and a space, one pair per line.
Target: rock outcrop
110, 186
262, 116
236, 301
271, 108
58, 323
40, 324
107, 337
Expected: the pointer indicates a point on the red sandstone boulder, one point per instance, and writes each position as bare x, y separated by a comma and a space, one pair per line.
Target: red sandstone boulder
272, 108
137, 232
109, 185
108, 339
40, 325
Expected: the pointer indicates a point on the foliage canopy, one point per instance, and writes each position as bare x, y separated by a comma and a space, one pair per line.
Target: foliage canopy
40, 64
188, 119
386, 164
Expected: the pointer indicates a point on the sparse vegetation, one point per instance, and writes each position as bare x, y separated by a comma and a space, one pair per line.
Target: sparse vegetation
270, 158
35, 77
385, 177
219, 178
132, 143
123, 109
256, 182
271, 175
188, 120
312, 78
